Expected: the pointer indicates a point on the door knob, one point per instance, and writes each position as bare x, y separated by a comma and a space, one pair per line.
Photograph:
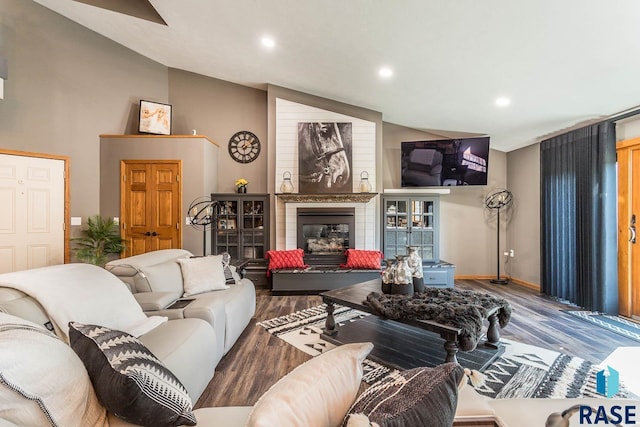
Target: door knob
148, 233
632, 229
154, 234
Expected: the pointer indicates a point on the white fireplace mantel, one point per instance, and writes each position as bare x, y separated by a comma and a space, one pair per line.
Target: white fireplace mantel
326, 198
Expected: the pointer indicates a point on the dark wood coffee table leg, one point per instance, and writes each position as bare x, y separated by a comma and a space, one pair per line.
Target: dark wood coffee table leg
452, 348
493, 333
330, 323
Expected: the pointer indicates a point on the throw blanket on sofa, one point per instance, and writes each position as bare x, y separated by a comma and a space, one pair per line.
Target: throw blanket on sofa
465, 310
82, 293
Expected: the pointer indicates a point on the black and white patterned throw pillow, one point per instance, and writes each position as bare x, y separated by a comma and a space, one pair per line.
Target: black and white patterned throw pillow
129, 380
424, 397
228, 274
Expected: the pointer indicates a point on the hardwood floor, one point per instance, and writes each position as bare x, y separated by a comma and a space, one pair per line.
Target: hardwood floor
258, 359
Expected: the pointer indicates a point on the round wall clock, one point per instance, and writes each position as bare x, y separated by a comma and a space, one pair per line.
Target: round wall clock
244, 147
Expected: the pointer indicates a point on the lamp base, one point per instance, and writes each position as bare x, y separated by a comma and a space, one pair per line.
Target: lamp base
499, 281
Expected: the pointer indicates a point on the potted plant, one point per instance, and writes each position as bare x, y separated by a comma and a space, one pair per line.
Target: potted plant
241, 184
101, 238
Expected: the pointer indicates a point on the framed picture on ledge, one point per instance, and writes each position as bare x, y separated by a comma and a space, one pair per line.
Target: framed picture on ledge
155, 118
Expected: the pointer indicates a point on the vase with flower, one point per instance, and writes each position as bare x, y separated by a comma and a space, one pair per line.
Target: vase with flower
241, 185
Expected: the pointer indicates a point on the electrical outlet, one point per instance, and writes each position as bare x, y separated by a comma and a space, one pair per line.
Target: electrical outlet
512, 253
188, 220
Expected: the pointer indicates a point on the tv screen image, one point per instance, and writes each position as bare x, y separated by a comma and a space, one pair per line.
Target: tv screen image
445, 162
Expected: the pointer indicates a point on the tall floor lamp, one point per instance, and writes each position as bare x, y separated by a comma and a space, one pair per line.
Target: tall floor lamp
202, 212
498, 200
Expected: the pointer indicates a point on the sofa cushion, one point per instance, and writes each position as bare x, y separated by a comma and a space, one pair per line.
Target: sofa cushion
415, 397
228, 311
154, 301
317, 393
19, 304
162, 277
189, 349
42, 381
362, 259
202, 274
129, 380
155, 271
239, 308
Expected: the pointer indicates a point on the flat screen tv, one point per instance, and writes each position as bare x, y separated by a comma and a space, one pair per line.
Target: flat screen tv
445, 162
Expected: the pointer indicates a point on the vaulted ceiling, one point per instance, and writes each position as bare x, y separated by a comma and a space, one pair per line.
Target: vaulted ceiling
560, 63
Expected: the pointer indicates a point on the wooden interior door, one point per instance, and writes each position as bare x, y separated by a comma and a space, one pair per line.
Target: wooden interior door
628, 224
150, 205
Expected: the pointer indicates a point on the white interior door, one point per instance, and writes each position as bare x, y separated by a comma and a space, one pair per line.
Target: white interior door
32, 191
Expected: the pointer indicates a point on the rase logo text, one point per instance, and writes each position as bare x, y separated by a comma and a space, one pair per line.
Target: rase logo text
601, 415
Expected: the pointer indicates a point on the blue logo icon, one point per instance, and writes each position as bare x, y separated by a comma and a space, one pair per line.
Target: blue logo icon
608, 381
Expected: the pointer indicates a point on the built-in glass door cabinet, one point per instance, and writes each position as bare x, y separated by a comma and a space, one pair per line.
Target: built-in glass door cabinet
241, 226
410, 221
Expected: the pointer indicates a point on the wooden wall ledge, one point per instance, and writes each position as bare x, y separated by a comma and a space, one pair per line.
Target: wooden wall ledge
326, 198
151, 136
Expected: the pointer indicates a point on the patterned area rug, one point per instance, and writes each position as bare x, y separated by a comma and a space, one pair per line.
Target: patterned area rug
302, 330
617, 324
522, 371
533, 372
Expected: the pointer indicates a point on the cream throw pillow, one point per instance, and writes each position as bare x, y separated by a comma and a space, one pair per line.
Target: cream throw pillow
202, 274
42, 381
317, 393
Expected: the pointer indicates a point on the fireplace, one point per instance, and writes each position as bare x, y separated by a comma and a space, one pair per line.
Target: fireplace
325, 233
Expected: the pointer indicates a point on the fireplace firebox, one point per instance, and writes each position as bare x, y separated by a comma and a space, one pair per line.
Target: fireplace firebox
325, 234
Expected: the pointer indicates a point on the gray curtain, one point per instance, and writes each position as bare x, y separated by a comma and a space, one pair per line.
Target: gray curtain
579, 219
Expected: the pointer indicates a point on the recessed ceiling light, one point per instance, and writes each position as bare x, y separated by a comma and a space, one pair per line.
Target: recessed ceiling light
503, 101
268, 42
385, 72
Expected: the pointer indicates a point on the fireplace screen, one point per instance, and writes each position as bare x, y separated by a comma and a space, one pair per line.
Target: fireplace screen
325, 231
322, 239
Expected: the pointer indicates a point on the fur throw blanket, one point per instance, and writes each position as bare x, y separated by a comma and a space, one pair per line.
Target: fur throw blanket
465, 310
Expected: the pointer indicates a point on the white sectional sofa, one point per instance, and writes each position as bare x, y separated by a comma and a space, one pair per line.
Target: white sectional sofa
191, 344
96, 296
156, 281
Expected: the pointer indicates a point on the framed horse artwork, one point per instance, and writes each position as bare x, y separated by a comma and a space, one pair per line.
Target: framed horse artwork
325, 157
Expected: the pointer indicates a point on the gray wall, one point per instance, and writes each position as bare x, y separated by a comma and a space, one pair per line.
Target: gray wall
67, 85
467, 230
197, 156
218, 109
523, 176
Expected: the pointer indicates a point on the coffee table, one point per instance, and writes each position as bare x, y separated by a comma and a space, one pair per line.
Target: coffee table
354, 295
